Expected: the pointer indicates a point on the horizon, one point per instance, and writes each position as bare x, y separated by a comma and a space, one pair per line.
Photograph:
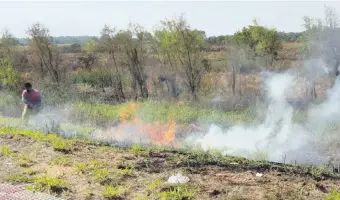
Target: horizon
88, 18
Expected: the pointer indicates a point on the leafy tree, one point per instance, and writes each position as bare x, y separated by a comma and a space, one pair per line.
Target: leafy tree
261, 40
7, 43
8, 76
290, 37
89, 54
181, 46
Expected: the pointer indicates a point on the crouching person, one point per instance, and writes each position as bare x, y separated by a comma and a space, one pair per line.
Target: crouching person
32, 102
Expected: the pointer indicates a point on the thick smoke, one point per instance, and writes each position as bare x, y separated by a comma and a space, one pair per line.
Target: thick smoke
278, 135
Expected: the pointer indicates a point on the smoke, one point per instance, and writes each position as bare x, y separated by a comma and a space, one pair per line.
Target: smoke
278, 135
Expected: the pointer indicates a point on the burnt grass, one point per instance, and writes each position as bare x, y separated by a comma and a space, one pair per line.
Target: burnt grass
212, 176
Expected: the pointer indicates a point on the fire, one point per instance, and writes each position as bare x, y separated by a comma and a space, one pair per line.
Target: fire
128, 114
160, 134
157, 133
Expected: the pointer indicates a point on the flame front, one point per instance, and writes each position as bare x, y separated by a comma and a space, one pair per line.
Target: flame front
158, 134
128, 114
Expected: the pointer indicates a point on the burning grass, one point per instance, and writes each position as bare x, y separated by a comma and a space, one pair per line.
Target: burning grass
152, 111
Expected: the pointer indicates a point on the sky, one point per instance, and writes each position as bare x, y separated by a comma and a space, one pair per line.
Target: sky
75, 18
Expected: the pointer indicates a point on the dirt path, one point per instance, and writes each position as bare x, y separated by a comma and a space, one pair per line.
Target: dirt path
12, 192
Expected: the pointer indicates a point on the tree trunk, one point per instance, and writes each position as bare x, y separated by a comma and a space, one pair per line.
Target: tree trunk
313, 90
233, 80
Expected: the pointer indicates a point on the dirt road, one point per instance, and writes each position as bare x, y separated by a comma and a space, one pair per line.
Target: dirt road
12, 192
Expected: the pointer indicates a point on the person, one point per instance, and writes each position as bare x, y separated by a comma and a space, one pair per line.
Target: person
32, 102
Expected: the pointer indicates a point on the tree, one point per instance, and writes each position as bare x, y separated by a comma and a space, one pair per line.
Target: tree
42, 47
8, 76
135, 42
321, 41
109, 43
89, 54
7, 43
262, 41
181, 46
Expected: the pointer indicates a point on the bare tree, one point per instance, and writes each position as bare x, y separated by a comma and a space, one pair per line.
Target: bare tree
42, 47
331, 17
135, 43
109, 43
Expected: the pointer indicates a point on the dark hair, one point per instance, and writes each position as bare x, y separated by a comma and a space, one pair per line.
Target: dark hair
28, 85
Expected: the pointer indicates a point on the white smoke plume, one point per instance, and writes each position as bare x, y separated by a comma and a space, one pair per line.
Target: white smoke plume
277, 136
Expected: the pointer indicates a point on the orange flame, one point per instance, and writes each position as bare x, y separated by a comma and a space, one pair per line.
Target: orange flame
159, 134
127, 114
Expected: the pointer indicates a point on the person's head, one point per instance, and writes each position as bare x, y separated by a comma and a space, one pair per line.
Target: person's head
28, 87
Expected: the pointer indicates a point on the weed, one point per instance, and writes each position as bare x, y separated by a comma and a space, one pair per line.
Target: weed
142, 197
102, 174
333, 195
155, 184
5, 151
114, 192
60, 144
95, 165
177, 192
104, 148
80, 167
125, 172
136, 149
18, 178
50, 185
62, 160
319, 171
25, 160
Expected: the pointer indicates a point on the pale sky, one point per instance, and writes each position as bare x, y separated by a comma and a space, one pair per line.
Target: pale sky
77, 18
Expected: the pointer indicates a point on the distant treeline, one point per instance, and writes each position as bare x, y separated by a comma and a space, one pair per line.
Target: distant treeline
63, 40
213, 40
284, 37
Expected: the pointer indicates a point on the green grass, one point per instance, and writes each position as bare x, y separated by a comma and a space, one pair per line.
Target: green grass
155, 184
93, 166
48, 184
111, 192
25, 160
158, 111
80, 168
333, 195
62, 160
18, 178
40, 184
58, 143
178, 192
6, 151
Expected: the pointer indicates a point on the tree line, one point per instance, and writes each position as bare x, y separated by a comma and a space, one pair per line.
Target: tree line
212, 40
121, 56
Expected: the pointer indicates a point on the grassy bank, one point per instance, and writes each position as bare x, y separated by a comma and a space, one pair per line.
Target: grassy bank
80, 169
